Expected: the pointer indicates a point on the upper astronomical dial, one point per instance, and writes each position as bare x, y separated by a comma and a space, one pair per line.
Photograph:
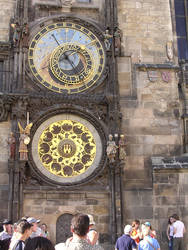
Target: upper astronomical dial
66, 58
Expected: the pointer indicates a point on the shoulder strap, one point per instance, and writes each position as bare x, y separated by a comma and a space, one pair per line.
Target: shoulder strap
150, 244
19, 242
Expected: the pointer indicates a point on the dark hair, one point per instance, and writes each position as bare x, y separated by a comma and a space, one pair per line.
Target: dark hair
39, 243
23, 226
169, 222
80, 224
135, 222
175, 216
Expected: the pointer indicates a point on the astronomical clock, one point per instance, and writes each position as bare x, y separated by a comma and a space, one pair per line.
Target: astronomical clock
67, 58
63, 87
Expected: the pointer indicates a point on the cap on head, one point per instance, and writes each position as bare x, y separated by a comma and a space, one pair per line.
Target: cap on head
148, 224
32, 220
7, 222
127, 229
91, 220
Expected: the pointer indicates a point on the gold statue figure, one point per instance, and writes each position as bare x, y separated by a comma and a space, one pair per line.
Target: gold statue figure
24, 140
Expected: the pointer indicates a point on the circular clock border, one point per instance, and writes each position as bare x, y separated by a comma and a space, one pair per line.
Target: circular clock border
35, 76
91, 172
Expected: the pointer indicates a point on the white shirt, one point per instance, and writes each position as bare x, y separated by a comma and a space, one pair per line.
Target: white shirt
179, 226
4, 235
171, 230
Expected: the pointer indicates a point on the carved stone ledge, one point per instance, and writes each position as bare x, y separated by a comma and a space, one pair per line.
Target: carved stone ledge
146, 66
5, 48
5, 106
54, 4
170, 163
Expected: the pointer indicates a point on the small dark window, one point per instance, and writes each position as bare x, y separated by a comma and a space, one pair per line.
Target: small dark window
181, 13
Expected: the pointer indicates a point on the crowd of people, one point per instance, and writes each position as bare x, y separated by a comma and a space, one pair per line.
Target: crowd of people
145, 238
15, 236
29, 234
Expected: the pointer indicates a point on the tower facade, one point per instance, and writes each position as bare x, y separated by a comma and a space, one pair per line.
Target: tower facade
93, 113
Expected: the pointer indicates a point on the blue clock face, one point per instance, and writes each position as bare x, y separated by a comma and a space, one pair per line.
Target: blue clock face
66, 58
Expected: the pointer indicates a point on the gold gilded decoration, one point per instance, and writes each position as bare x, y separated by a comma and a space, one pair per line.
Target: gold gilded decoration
24, 140
66, 148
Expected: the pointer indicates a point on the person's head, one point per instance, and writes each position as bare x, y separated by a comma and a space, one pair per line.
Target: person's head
80, 224
24, 228
170, 220
127, 229
136, 224
175, 217
39, 243
148, 224
7, 226
145, 230
43, 227
34, 222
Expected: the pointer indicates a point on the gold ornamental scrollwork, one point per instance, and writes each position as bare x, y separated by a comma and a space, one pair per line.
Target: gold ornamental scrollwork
66, 148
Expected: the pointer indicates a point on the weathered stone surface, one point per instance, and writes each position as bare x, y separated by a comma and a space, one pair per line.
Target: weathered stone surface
144, 213
165, 190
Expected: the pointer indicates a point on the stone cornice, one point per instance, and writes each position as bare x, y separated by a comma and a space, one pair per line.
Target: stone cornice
146, 66
170, 163
5, 47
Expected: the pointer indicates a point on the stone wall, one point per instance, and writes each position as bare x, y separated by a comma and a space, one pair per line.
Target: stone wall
6, 12
149, 101
170, 184
48, 206
4, 177
150, 107
146, 26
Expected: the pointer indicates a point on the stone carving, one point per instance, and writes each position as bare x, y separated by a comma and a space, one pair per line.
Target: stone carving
19, 107
117, 40
107, 39
66, 2
166, 76
5, 46
11, 145
24, 140
169, 50
153, 75
20, 34
4, 108
111, 149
